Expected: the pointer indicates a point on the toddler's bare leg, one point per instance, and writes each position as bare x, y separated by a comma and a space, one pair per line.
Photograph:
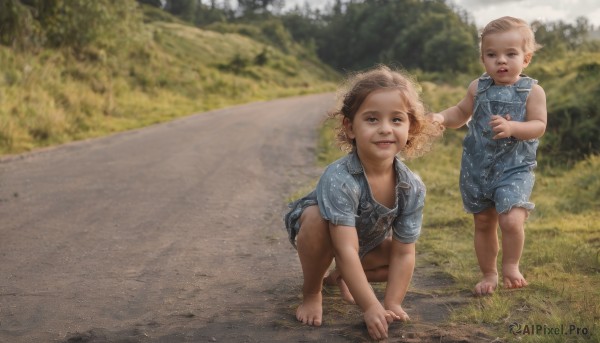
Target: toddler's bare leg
512, 225
486, 249
316, 253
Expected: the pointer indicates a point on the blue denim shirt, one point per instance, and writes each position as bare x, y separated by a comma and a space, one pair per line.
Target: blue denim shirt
344, 198
490, 167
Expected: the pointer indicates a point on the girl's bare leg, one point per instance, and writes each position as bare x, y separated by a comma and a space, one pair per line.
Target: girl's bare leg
375, 264
316, 254
334, 278
486, 249
512, 225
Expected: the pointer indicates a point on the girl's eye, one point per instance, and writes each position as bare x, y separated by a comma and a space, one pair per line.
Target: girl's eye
397, 120
490, 55
371, 119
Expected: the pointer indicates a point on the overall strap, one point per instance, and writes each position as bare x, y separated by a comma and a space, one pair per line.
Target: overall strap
524, 85
485, 81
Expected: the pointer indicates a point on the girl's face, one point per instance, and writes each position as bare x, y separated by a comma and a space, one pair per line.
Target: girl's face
503, 56
380, 126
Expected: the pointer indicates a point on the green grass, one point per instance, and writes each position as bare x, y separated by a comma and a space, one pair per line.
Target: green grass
167, 70
561, 256
561, 259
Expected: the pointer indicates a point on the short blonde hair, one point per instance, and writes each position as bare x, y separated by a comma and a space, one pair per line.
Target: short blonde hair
510, 23
422, 131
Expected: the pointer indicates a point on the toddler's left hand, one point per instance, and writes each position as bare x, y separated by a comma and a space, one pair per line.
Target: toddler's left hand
501, 126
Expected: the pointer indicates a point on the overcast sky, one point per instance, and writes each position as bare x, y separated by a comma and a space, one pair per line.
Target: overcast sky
484, 11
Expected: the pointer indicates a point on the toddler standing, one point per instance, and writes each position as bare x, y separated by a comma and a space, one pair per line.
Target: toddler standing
506, 114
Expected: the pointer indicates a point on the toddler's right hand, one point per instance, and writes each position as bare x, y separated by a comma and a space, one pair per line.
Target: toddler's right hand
436, 118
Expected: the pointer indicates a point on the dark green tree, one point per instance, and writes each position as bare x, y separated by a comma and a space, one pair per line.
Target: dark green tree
155, 3
71, 23
184, 9
18, 28
410, 33
252, 8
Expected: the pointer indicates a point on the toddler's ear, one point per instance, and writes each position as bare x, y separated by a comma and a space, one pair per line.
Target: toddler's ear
527, 59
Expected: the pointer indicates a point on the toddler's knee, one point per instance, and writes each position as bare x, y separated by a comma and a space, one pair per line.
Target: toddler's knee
486, 220
513, 221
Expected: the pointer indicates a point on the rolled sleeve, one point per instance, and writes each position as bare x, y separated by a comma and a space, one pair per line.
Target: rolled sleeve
338, 196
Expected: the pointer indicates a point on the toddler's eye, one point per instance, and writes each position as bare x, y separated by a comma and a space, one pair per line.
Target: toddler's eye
490, 55
397, 120
371, 119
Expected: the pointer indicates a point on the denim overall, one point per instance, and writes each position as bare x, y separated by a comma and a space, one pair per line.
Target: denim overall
497, 172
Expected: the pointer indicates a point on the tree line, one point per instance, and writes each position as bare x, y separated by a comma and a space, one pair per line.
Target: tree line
430, 35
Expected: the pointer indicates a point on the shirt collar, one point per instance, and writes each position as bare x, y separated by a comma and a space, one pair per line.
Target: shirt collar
353, 163
355, 167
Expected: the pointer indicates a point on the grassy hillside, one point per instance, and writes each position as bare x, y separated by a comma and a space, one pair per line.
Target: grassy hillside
169, 69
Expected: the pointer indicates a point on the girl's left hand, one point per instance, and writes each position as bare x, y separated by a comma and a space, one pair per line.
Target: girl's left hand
396, 312
501, 126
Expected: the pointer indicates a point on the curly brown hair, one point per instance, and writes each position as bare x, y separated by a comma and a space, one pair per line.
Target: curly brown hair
422, 132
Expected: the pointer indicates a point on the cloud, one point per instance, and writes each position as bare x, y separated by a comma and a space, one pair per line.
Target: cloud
530, 10
483, 11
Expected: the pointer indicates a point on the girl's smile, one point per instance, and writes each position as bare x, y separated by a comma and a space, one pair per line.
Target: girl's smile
380, 126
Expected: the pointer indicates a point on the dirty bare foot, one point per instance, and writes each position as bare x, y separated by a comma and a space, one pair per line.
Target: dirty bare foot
487, 285
335, 278
513, 277
310, 312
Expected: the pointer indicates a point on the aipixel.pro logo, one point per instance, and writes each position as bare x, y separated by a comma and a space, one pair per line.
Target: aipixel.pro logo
546, 330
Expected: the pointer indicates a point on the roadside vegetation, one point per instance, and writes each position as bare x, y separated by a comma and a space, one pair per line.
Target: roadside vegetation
58, 86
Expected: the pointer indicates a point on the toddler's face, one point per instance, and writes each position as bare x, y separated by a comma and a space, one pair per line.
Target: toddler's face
503, 56
380, 126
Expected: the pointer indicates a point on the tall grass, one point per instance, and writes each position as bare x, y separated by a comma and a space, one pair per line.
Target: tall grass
168, 70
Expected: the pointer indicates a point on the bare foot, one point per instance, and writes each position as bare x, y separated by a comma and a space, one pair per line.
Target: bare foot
335, 278
487, 285
310, 312
513, 277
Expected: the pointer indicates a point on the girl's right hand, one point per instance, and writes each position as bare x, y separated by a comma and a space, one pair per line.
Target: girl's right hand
378, 319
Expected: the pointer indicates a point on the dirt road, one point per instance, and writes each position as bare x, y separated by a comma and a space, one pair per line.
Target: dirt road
171, 233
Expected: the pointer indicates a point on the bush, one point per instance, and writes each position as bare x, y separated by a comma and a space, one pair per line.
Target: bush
573, 99
66, 23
